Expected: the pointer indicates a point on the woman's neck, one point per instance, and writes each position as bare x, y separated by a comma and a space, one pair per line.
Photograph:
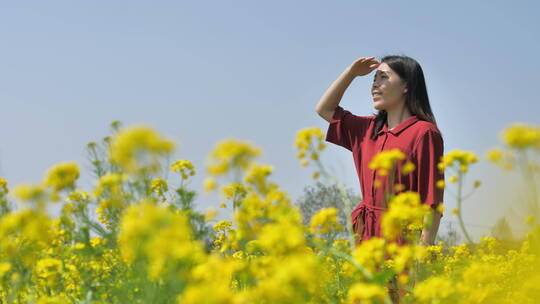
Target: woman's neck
394, 118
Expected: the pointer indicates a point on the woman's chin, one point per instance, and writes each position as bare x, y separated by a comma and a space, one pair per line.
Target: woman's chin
377, 105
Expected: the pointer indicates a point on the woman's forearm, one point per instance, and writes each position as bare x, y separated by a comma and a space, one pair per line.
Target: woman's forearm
331, 98
430, 233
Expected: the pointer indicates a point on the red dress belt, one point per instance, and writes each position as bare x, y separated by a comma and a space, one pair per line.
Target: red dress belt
370, 209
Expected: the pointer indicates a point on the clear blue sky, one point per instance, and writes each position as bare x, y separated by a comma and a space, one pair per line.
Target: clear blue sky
201, 71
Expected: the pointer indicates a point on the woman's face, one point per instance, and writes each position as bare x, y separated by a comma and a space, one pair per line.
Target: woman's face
388, 91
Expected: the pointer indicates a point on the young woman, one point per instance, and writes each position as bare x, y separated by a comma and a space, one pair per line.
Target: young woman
404, 120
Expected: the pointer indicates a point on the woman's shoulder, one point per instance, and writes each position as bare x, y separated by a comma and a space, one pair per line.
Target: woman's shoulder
423, 127
427, 131
341, 112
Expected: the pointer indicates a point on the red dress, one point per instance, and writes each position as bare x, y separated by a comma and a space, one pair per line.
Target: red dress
419, 140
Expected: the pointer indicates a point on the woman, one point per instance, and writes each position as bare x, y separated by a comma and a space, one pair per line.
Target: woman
404, 120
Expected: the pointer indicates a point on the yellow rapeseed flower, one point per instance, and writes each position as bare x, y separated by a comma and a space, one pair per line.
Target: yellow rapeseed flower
138, 148
222, 226
62, 176
440, 183
231, 154
400, 187
305, 144
281, 238
405, 211
209, 184
257, 177
159, 235
407, 168
4, 269
440, 208
97, 241
78, 196
48, 264
434, 290
159, 186
494, 154
502, 158
3, 185
184, 167
324, 221
386, 160
521, 136
366, 293
111, 182
234, 189
210, 214
462, 158
370, 253
29, 192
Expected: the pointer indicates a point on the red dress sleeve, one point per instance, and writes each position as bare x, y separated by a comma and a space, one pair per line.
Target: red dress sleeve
345, 128
428, 151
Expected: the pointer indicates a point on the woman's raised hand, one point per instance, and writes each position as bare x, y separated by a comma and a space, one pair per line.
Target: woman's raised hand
363, 66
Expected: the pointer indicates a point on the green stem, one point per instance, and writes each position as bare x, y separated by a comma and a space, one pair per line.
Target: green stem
460, 217
529, 179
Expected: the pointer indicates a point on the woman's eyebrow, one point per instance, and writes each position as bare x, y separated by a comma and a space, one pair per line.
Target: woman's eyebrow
380, 72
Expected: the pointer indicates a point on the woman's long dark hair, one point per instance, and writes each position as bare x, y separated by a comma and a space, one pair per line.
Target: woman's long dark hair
416, 98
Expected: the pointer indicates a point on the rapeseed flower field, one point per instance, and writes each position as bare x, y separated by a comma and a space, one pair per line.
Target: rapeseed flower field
137, 238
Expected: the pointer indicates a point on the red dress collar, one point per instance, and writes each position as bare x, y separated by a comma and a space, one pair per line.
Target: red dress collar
400, 127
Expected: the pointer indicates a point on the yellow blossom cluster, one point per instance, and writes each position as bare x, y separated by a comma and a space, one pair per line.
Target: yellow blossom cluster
309, 142
3, 185
256, 177
29, 192
462, 158
159, 186
367, 293
62, 176
159, 235
405, 213
184, 167
24, 234
111, 183
518, 139
324, 221
386, 160
138, 149
221, 228
78, 196
233, 190
209, 184
231, 154
521, 136
503, 158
